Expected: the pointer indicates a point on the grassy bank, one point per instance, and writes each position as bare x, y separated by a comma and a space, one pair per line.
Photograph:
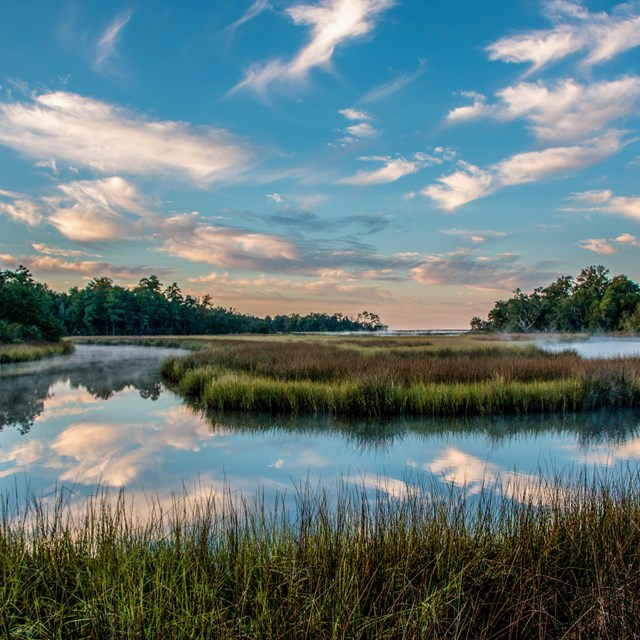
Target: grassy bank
413, 376
25, 352
562, 563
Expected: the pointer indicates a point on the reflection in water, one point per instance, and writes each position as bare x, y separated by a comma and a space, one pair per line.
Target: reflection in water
101, 418
589, 428
102, 371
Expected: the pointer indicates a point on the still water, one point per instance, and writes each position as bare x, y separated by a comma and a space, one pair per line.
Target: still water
102, 418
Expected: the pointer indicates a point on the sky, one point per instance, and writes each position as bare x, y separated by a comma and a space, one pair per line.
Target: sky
417, 159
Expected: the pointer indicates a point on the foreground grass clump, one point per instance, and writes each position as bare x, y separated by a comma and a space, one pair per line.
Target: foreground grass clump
25, 352
355, 377
562, 562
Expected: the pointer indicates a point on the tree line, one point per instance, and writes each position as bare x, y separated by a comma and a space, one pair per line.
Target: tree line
30, 310
592, 302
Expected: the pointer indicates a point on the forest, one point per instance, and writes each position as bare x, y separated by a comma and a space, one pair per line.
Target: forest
593, 302
32, 311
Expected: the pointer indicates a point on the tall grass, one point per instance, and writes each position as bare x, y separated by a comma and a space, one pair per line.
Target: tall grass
25, 352
343, 378
559, 562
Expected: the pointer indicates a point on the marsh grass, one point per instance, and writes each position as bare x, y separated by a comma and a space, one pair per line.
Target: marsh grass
552, 561
25, 352
415, 377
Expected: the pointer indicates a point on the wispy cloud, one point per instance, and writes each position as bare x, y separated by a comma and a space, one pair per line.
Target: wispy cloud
252, 12
354, 114
628, 239
606, 202
471, 182
332, 23
599, 37
47, 264
476, 237
185, 236
84, 211
57, 251
331, 286
387, 89
359, 130
565, 111
106, 46
598, 245
21, 209
501, 272
465, 185
95, 210
110, 139
192, 238
393, 169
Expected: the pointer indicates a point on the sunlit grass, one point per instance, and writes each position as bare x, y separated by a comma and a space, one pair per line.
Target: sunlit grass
25, 352
559, 561
413, 376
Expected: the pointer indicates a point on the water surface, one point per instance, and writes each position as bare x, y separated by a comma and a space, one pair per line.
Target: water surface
102, 418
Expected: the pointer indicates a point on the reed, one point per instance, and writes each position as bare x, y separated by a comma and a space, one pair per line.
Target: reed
556, 561
25, 352
419, 378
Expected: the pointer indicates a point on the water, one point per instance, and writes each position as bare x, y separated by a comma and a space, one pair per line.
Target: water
102, 418
595, 347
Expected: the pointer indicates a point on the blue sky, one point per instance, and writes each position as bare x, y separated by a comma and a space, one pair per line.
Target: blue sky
413, 158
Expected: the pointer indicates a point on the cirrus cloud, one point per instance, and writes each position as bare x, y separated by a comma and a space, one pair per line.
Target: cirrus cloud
110, 139
332, 23
600, 37
566, 110
471, 182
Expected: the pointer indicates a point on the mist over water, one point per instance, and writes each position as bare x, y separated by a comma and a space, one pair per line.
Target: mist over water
595, 347
102, 418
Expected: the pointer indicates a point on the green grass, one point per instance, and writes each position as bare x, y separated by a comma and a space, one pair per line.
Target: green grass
25, 352
357, 377
561, 563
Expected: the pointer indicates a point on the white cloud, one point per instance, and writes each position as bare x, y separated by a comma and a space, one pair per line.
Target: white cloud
392, 170
471, 182
108, 41
361, 130
535, 165
598, 245
607, 202
628, 239
22, 210
354, 114
479, 109
627, 207
567, 110
593, 197
598, 36
95, 210
253, 11
186, 237
465, 185
276, 197
109, 139
332, 23
387, 89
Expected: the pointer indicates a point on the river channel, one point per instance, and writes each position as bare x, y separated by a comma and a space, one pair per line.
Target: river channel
101, 418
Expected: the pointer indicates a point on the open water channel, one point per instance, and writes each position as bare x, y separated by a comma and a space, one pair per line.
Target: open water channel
101, 418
